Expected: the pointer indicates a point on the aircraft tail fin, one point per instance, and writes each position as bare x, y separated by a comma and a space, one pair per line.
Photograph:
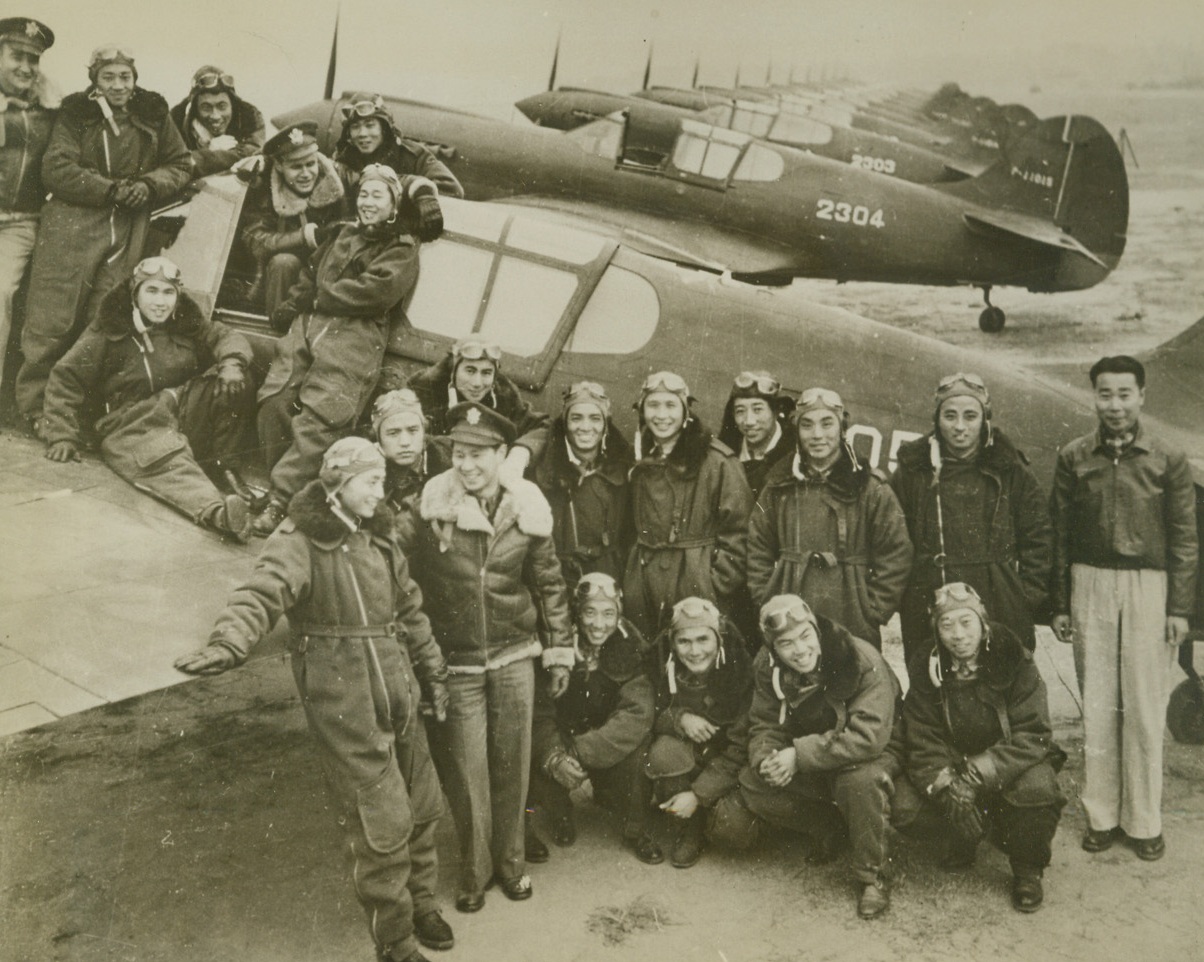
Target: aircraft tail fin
1067, 171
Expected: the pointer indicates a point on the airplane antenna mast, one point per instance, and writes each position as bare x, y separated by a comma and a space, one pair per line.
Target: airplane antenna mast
1126, 146
737, 82
647, 68
555, 63
334, 56
694, 80
769, 73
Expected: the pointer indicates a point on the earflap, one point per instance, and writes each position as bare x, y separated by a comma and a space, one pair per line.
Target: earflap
935, 675
671, 672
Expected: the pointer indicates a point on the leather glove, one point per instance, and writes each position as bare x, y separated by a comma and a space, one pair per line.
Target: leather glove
558, 681
960, 802
248, 167
565, 769
323, 232
437, 697
429, 216
210, 660
62, 451
283, 317
231, 379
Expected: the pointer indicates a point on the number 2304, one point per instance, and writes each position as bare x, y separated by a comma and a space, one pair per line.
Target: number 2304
844, 213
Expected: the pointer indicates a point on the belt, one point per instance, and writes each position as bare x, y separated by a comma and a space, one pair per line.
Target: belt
679, 545
309, 630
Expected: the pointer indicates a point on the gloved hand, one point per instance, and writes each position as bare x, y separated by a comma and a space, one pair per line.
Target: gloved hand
437, 698
565, 769
231, 379
429, 216
210, 660
62, 451
960, 802
283, 317
132, 194
558, 681
223, 142
323, 232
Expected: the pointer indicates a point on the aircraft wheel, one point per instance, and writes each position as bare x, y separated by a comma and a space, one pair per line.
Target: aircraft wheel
990, 321
1185, 713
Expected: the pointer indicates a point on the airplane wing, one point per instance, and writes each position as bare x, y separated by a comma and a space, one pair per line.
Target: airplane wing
1030, 228
691, 243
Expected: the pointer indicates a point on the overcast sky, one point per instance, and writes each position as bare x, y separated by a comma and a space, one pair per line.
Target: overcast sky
484, 55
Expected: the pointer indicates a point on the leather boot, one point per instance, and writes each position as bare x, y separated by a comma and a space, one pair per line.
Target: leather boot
690, 841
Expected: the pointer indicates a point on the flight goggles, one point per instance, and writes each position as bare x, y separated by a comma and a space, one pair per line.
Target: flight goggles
764, 383
783, 615
363, 108
972, 379
212, 80
820, 396
585, 390
474, 349
157, 267
665, 381
597, 586
956, 592
110, 54
695, 613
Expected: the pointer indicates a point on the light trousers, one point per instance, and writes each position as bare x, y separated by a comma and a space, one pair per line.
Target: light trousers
1124, 668
16, 245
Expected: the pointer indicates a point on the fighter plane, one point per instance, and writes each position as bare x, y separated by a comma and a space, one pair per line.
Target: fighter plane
1050, 215
760, 116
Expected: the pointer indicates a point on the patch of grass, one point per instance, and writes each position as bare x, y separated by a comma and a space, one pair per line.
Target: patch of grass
616, 923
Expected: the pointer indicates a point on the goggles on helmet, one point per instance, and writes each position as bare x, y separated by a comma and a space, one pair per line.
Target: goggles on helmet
762, 382
156, 266
796, 613
363, 108
972, 379
212, 81
474, 349
956, 592
582, 390
822, 396
111, 53
695, 608
665, 381
596, 585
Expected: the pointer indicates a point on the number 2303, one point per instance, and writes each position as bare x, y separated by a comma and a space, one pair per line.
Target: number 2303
844, 213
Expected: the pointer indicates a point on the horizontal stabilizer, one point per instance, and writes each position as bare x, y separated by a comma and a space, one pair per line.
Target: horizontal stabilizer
1030, 228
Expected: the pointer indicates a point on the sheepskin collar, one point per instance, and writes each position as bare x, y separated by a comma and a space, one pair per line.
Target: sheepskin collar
327, 191
445, 500
311, 514
846, 480
43, 95
555, 468
116, 315
145, 107
995, 457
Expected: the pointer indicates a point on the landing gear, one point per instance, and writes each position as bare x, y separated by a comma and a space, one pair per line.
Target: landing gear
992, 319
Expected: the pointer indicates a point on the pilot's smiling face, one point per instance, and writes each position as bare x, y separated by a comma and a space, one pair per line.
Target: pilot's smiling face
664, 414
474, 379
300, 176
115, 81
215, 112
754, 417
585, 425
1118, 401
366, 134
364, 492
156, 300
19, 70
374, 203
819, 437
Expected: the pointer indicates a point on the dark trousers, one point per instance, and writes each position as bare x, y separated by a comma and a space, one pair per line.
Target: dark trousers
820, 803
622, 789
1023, 833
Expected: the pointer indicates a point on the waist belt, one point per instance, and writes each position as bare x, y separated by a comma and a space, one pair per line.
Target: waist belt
823, 559
937, 561
308, 629
679, 545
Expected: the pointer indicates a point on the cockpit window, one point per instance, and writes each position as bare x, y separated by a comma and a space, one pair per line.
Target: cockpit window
525, 305
620, 317
794, 129
555, 240
601, 138
760, 163
475, 220
710, 152
753, 118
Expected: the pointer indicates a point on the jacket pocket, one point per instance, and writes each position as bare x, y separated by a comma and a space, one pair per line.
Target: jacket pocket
384, 809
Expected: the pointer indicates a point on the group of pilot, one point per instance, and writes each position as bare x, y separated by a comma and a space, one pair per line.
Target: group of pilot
520, 613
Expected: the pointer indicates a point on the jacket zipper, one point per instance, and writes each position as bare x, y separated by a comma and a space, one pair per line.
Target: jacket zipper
359, 600
150, 378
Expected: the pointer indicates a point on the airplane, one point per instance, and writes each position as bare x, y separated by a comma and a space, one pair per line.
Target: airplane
567, 108
1050, 215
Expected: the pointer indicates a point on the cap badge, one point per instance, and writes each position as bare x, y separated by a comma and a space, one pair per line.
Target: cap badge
473, 416
295, 136
32, 29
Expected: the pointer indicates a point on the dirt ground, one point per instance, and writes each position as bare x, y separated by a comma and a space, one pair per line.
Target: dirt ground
191, 824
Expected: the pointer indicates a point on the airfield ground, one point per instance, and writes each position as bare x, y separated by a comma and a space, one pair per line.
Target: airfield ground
190, 824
